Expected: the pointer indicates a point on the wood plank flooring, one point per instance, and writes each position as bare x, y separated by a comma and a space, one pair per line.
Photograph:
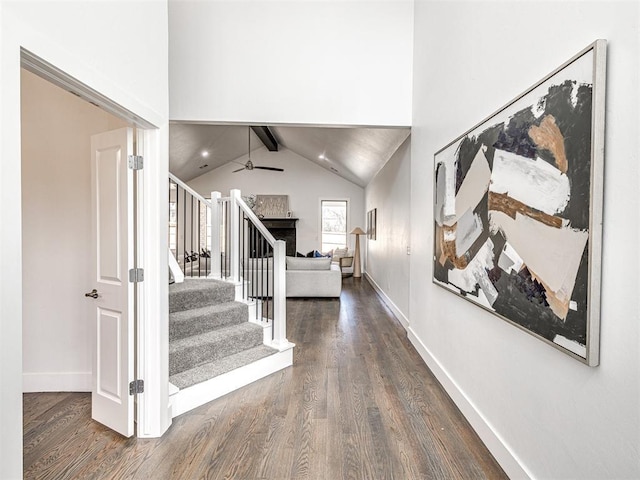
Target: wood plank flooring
358, 403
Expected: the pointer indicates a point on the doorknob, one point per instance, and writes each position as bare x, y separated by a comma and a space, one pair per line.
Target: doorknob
93, 294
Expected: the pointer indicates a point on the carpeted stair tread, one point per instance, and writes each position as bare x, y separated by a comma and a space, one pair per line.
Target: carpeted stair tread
187, 323
213, 369
200, 292
190, 352
209, 333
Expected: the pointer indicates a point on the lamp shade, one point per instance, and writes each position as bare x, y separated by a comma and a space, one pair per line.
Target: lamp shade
357, 231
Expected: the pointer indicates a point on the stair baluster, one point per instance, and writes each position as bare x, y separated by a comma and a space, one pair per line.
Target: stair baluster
222, 239
189, 229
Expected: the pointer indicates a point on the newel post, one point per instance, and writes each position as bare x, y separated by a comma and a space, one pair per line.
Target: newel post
234, 236
216, 223
279, 295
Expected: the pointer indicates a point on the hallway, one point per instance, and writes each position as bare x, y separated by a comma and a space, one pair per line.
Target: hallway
358, 403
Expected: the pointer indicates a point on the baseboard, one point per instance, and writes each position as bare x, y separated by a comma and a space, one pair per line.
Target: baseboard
56, 382
189, 398
388, 302
503, 455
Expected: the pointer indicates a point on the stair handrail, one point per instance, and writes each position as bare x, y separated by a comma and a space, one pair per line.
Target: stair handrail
279, 332
238, 200
189, 190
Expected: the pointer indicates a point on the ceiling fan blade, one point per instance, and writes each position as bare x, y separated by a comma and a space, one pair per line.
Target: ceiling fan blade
275, 169
239, 170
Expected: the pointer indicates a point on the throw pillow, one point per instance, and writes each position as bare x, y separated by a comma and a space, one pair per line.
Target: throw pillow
340, 252
294, 263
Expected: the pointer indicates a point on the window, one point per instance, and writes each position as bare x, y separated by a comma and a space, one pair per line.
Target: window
333, 224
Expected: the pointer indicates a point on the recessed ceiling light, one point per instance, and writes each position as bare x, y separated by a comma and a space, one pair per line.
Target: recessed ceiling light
205, 153
203, 166
321, 156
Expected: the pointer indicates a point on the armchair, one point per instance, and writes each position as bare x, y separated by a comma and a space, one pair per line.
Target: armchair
344, 259
345, 262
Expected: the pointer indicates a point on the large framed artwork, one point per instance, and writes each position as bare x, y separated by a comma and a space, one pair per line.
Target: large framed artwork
271, 206
518, 208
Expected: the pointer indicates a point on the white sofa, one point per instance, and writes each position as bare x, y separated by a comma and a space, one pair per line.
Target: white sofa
313, 277
305, 277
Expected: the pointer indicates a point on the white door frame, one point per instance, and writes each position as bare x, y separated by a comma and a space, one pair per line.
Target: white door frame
153, 412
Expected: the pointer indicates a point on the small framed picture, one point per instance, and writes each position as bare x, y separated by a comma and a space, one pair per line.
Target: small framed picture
371, 224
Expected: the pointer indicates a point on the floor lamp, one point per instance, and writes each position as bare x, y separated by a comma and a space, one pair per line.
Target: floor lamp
357, 273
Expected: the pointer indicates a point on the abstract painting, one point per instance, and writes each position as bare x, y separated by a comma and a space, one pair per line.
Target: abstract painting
271, 206
518, 208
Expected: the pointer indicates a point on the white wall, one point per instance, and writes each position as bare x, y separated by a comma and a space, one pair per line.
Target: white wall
331, 62
91, 42
541, 412
387, 263
305, 183
56, 235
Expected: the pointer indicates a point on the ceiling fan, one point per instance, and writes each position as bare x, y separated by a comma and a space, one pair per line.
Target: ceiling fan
249, 165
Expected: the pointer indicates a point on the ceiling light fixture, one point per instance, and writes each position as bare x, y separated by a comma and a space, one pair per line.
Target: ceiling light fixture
205, 153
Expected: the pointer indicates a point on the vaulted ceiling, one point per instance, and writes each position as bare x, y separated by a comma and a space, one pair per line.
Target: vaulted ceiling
355, 154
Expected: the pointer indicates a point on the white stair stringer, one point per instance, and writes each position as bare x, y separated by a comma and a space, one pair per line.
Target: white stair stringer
192, 397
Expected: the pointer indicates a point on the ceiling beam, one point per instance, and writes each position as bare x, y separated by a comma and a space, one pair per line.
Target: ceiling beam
266, 137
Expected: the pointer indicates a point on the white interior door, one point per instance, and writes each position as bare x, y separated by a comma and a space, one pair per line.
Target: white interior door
112, 302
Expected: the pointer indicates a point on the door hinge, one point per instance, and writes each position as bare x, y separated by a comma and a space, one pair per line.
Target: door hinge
135, 387
136, 162
136, 275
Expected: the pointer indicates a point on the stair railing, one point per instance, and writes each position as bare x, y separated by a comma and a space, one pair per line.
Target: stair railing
252, 258
190, 217
223, 238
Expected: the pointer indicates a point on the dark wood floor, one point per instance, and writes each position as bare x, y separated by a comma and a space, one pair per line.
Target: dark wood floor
358, 403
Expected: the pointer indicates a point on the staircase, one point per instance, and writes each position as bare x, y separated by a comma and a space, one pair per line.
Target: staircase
224, 333
213, 349
209, 333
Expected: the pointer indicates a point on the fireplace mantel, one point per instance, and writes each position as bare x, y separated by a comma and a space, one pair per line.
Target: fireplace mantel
283, 229
278, 223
